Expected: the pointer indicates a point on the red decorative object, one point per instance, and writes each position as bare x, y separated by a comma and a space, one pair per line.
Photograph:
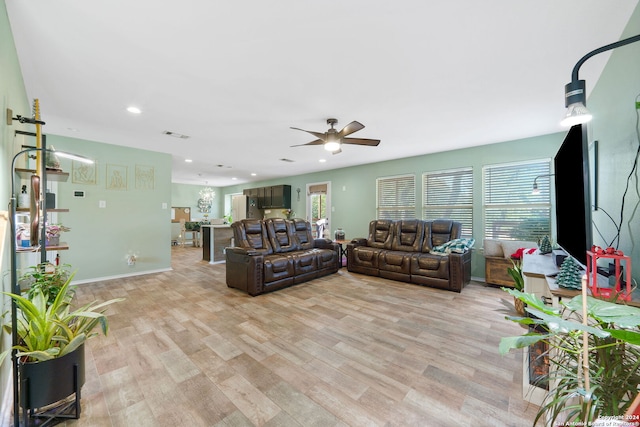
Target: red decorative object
518, 254
616, 256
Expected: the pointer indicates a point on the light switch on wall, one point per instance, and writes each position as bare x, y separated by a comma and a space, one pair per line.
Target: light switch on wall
102, 204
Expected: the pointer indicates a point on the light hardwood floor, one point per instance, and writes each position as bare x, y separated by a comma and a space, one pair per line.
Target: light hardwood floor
343, 350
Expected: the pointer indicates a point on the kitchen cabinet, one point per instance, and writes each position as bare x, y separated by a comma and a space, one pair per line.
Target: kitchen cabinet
272, 197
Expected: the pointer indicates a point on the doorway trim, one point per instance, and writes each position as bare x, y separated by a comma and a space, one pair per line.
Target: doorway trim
328, 200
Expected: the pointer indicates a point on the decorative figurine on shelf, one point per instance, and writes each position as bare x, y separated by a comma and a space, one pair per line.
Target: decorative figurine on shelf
23, 199
570, 275
545, 246
52, 162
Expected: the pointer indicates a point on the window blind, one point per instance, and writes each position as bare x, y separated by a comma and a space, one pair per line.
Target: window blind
396, 197
511, 211
449, 195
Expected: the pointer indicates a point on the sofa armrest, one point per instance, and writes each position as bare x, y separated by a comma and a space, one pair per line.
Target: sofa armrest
244, 270
242, 251
323, 243
359, 241
327, 244
459, 270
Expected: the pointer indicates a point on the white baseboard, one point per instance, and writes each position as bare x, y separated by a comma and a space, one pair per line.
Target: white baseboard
120, 276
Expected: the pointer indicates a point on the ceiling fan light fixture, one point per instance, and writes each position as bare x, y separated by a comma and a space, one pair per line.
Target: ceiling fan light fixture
332, 146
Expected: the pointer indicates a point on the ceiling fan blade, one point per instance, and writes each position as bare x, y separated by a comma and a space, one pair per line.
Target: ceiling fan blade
316, 142
361, 141
350, 128
319, 135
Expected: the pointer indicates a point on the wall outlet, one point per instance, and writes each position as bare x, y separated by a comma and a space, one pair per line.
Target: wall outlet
102, 204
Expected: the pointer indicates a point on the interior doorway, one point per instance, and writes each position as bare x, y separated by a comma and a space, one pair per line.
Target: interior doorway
319, 208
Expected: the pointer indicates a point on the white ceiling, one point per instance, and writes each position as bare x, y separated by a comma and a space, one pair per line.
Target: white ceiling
422, 76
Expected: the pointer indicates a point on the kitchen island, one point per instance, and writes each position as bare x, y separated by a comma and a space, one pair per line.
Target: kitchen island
215, 238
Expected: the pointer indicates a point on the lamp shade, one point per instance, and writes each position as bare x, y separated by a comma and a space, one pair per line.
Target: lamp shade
577, 114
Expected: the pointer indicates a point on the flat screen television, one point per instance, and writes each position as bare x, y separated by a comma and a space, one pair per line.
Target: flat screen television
573, 195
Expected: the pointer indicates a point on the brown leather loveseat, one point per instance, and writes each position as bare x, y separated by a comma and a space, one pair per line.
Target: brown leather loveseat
414, 251
275, 253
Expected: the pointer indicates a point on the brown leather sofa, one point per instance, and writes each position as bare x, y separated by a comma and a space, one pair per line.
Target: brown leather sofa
275, 253
403, 250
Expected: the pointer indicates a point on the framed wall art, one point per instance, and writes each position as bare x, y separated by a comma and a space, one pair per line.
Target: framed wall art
145, 177
116, 177
83, 173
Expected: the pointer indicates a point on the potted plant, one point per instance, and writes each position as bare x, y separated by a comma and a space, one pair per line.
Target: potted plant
594, 360
45, 277
53, 232
50, 342
518, 283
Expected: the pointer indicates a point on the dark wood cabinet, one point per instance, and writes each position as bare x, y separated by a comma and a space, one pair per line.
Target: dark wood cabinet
281, 196
273, 197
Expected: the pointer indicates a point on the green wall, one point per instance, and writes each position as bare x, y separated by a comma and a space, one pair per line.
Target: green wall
135, 219
12, 95
615, 126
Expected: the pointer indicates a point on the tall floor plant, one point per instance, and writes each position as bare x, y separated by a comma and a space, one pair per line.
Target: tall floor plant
613, 356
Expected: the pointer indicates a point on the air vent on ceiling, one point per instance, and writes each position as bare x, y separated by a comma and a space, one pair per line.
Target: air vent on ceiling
287, 160
175, 134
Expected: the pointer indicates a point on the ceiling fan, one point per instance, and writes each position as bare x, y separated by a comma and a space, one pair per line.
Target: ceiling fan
333, 139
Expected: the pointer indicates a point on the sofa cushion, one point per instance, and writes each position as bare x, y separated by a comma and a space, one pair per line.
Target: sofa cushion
302, 230
380, 234
442, 231
281, 235
394, 261
492, 248
364, 257
278, 267
430, 265
305, 261
251, 234
408, 235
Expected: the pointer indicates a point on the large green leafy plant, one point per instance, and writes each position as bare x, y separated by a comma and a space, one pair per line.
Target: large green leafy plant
516, 274
613, 356
47, 330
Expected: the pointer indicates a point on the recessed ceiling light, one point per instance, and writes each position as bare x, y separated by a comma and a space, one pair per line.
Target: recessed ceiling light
188, 160
253, 174
234, 178
134, 110
322, 160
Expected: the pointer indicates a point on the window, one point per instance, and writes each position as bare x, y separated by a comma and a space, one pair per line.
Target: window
511, 211
449, 194
396, 197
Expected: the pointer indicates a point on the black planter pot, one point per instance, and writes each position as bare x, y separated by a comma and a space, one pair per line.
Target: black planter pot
45, 383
